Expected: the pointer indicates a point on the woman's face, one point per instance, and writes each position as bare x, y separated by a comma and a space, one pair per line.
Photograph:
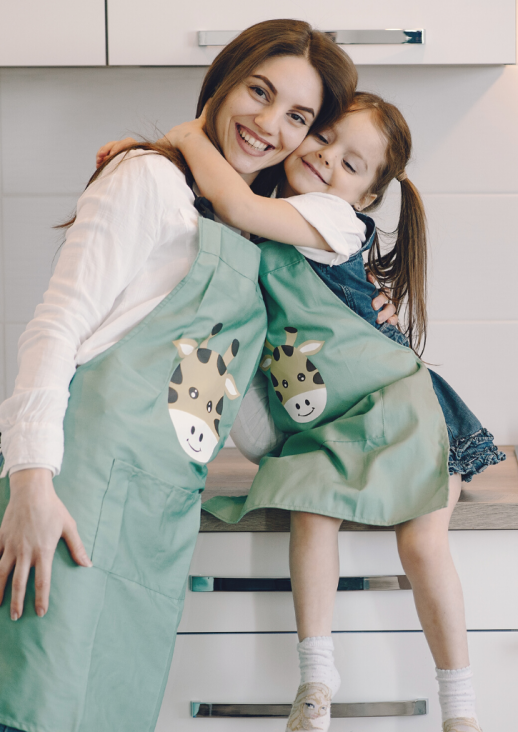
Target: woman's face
266, 116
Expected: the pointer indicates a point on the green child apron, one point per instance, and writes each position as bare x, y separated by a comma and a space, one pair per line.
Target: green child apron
144, 418
367, 441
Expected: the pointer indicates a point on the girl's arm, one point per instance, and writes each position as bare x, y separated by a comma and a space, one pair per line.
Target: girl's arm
233, 200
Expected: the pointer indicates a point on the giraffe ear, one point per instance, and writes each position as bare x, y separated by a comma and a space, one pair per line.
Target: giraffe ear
311, 347
266, 363
230, 387
185, 346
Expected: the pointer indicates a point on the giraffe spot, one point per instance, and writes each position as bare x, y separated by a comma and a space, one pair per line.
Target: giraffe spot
216, 329
219, 406
203, 354
173, 396
317, 378
285, 383
279, 395
301, 377
274, 380
288, 350
209, 406
235, 347
177, 377
194, 393
310, 366
276, 353
221, 365
216, 426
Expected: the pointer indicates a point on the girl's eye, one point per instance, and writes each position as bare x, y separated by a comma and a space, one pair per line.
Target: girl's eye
348, 165
321, 138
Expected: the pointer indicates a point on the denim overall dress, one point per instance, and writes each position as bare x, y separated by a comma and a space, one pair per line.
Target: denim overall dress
366, 437
471, 446
143, 420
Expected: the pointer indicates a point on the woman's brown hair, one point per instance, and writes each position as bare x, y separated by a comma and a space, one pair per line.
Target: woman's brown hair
236, 62
403, 267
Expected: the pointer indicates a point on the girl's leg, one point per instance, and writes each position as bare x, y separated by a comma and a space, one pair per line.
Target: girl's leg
425, 554
314, 569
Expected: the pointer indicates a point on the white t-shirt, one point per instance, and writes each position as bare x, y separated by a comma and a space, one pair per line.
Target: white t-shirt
134, 239
336, 222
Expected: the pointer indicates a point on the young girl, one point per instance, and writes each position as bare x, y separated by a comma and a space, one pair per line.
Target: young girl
330, 178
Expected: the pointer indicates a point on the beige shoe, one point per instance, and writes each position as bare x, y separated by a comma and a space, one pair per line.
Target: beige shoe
461, 724
311, 708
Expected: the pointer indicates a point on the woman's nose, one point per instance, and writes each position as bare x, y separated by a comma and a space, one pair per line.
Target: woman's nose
268, 121
323, 159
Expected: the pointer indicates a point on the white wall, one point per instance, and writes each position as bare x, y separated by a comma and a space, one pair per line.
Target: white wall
465, 126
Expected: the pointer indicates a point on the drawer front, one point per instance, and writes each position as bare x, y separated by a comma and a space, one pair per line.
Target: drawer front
484, 560
388, 667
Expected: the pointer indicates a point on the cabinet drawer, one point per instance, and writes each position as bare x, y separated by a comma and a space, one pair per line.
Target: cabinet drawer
263, 669
485, 561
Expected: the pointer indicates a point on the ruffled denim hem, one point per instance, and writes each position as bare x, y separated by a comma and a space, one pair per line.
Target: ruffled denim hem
473, 454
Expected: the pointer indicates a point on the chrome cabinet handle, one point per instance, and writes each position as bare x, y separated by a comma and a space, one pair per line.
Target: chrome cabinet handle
414, 708
343, 37
273, 584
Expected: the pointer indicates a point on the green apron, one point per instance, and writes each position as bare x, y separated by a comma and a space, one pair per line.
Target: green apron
367, 438
143, 419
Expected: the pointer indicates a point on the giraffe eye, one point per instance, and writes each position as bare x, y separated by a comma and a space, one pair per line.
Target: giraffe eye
209, 406
285, 383
301, 377
193, 393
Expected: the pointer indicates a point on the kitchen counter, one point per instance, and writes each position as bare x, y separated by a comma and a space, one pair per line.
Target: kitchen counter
490, 501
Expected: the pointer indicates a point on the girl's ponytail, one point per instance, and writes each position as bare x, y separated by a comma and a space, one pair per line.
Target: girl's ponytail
403, 268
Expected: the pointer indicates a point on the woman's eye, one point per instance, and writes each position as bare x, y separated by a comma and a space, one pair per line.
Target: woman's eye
298, 118
259, 91
348, 165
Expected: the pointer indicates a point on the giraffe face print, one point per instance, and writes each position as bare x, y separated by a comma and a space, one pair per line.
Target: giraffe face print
296, 380
196, 395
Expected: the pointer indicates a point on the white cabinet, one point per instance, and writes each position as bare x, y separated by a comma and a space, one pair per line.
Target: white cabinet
485, 561
52, 33
388, 667
165, 32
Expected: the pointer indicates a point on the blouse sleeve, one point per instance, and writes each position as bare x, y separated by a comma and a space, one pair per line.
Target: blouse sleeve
121, 217
337, 223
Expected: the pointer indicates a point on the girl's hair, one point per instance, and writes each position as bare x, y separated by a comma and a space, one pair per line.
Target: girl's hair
235, 63
402, 268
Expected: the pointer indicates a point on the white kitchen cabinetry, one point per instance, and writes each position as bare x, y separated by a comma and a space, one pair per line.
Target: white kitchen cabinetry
52, 33
262, 669
165, 33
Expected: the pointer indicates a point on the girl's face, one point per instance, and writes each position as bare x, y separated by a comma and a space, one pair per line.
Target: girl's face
268, 114
342, 161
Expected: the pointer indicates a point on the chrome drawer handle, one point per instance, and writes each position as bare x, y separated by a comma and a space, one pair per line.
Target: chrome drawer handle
273, 584
343, 37
414, 708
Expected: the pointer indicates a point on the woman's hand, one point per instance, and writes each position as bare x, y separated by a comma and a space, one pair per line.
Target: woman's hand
112, 148
34, 521
388, 310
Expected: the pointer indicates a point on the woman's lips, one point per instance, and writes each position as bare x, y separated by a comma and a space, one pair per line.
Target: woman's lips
241, 130
314, 171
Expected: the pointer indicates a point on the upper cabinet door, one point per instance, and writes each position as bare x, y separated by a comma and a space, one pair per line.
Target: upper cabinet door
166, 32
52, 33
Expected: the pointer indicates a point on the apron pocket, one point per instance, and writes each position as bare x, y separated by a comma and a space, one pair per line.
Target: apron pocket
147, 530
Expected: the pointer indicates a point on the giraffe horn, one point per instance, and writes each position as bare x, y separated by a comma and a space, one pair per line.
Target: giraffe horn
231, 352
269, 346
213, 332
291, 336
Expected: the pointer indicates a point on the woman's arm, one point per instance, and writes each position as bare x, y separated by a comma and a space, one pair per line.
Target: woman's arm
233, 200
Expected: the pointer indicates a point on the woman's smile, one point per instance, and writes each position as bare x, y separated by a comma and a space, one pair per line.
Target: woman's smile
251, 142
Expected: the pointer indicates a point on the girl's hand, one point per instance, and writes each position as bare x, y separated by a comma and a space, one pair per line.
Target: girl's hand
112, 148
177, 134
388, 310
34, 521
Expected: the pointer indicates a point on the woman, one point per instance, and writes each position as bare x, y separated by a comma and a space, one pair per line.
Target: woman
138, 303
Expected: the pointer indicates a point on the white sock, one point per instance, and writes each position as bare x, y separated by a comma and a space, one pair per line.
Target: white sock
317, 663
456, 694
